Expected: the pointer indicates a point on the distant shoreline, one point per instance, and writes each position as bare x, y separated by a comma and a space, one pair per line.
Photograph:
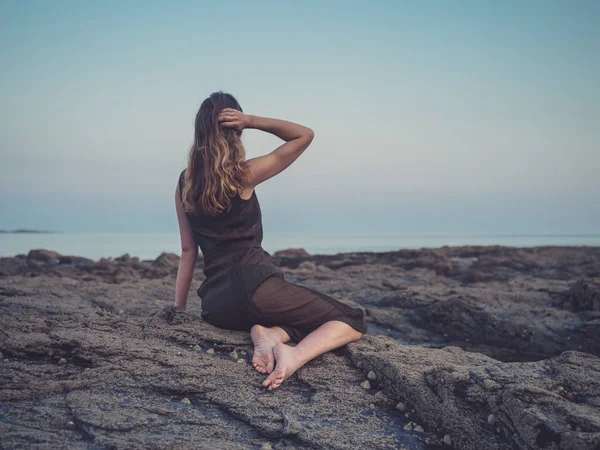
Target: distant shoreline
23, 230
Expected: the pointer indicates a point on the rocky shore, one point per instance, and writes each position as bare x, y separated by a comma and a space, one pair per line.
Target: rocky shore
468, 348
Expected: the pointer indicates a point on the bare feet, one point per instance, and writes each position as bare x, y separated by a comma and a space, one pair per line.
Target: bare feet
286, 364
264, 340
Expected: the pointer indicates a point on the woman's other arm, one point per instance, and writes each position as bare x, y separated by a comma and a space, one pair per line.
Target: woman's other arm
261, 168
189, 254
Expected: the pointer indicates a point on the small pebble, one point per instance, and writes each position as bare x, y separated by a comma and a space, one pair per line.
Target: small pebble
419, 428
121, 311
186, 401
400, 406
407, 415
371, 375
241, 361
210, 351
408, 426
243, 353
366, 384
569, 396
372, 406
62, 361
266, 446
197, 348
70, 424
50, 352
190, 346
491, 419
447, 440
234, 354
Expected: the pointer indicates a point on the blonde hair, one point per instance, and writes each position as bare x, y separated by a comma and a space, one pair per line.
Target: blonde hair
216, 161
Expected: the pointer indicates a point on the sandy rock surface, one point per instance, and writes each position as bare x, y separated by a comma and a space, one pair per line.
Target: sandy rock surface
93, 355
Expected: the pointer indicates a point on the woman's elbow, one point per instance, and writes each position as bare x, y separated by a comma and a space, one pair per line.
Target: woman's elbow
189, 253
310, 135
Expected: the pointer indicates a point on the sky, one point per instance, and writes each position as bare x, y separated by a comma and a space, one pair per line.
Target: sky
430, 116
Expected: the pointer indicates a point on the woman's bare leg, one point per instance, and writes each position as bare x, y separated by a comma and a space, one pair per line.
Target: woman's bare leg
264, 340
329, 336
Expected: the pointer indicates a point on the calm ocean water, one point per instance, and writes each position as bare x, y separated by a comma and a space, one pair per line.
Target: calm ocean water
150, 245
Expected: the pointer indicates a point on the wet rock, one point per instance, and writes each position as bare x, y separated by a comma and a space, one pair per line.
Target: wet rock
62, 361
491, 419
400, 406
186, 401
266, 446
366, 384
371, 376
419, 429
447, 440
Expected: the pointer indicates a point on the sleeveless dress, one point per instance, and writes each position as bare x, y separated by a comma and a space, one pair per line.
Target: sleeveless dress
243, 287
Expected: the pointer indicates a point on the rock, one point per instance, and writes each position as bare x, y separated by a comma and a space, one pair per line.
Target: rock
197, 348
447, 440
210, 351
45, 256
292, 253
186, 401
366, 384
460, 377
419, 429
491, 419
371, 405
166, 260
584, 295
400, 406
234, 354
371, 376
241, 361
266, 446
408, 426
62, 361
70, 425
513, 305
308, 266
243, 352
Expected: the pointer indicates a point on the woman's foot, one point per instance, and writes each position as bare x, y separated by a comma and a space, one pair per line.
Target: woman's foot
264, 340
287, 363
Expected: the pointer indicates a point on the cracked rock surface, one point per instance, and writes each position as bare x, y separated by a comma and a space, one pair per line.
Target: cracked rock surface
93, 355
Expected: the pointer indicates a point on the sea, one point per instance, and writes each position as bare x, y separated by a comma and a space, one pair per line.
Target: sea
150, 245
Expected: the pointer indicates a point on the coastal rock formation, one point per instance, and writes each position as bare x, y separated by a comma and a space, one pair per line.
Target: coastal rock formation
469, 348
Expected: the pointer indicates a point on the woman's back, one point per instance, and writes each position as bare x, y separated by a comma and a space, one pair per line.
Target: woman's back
240, 227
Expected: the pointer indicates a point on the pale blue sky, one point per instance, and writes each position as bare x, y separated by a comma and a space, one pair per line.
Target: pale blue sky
466, 116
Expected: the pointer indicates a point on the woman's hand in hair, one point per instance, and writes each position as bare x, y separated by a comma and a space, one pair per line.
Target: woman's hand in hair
232, 118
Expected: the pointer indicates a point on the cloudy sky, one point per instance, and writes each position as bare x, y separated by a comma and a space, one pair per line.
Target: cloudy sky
466, 116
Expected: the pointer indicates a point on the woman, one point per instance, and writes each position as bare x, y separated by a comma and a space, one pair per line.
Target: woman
218, 210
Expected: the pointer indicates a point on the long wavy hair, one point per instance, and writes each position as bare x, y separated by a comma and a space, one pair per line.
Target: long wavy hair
216, 161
